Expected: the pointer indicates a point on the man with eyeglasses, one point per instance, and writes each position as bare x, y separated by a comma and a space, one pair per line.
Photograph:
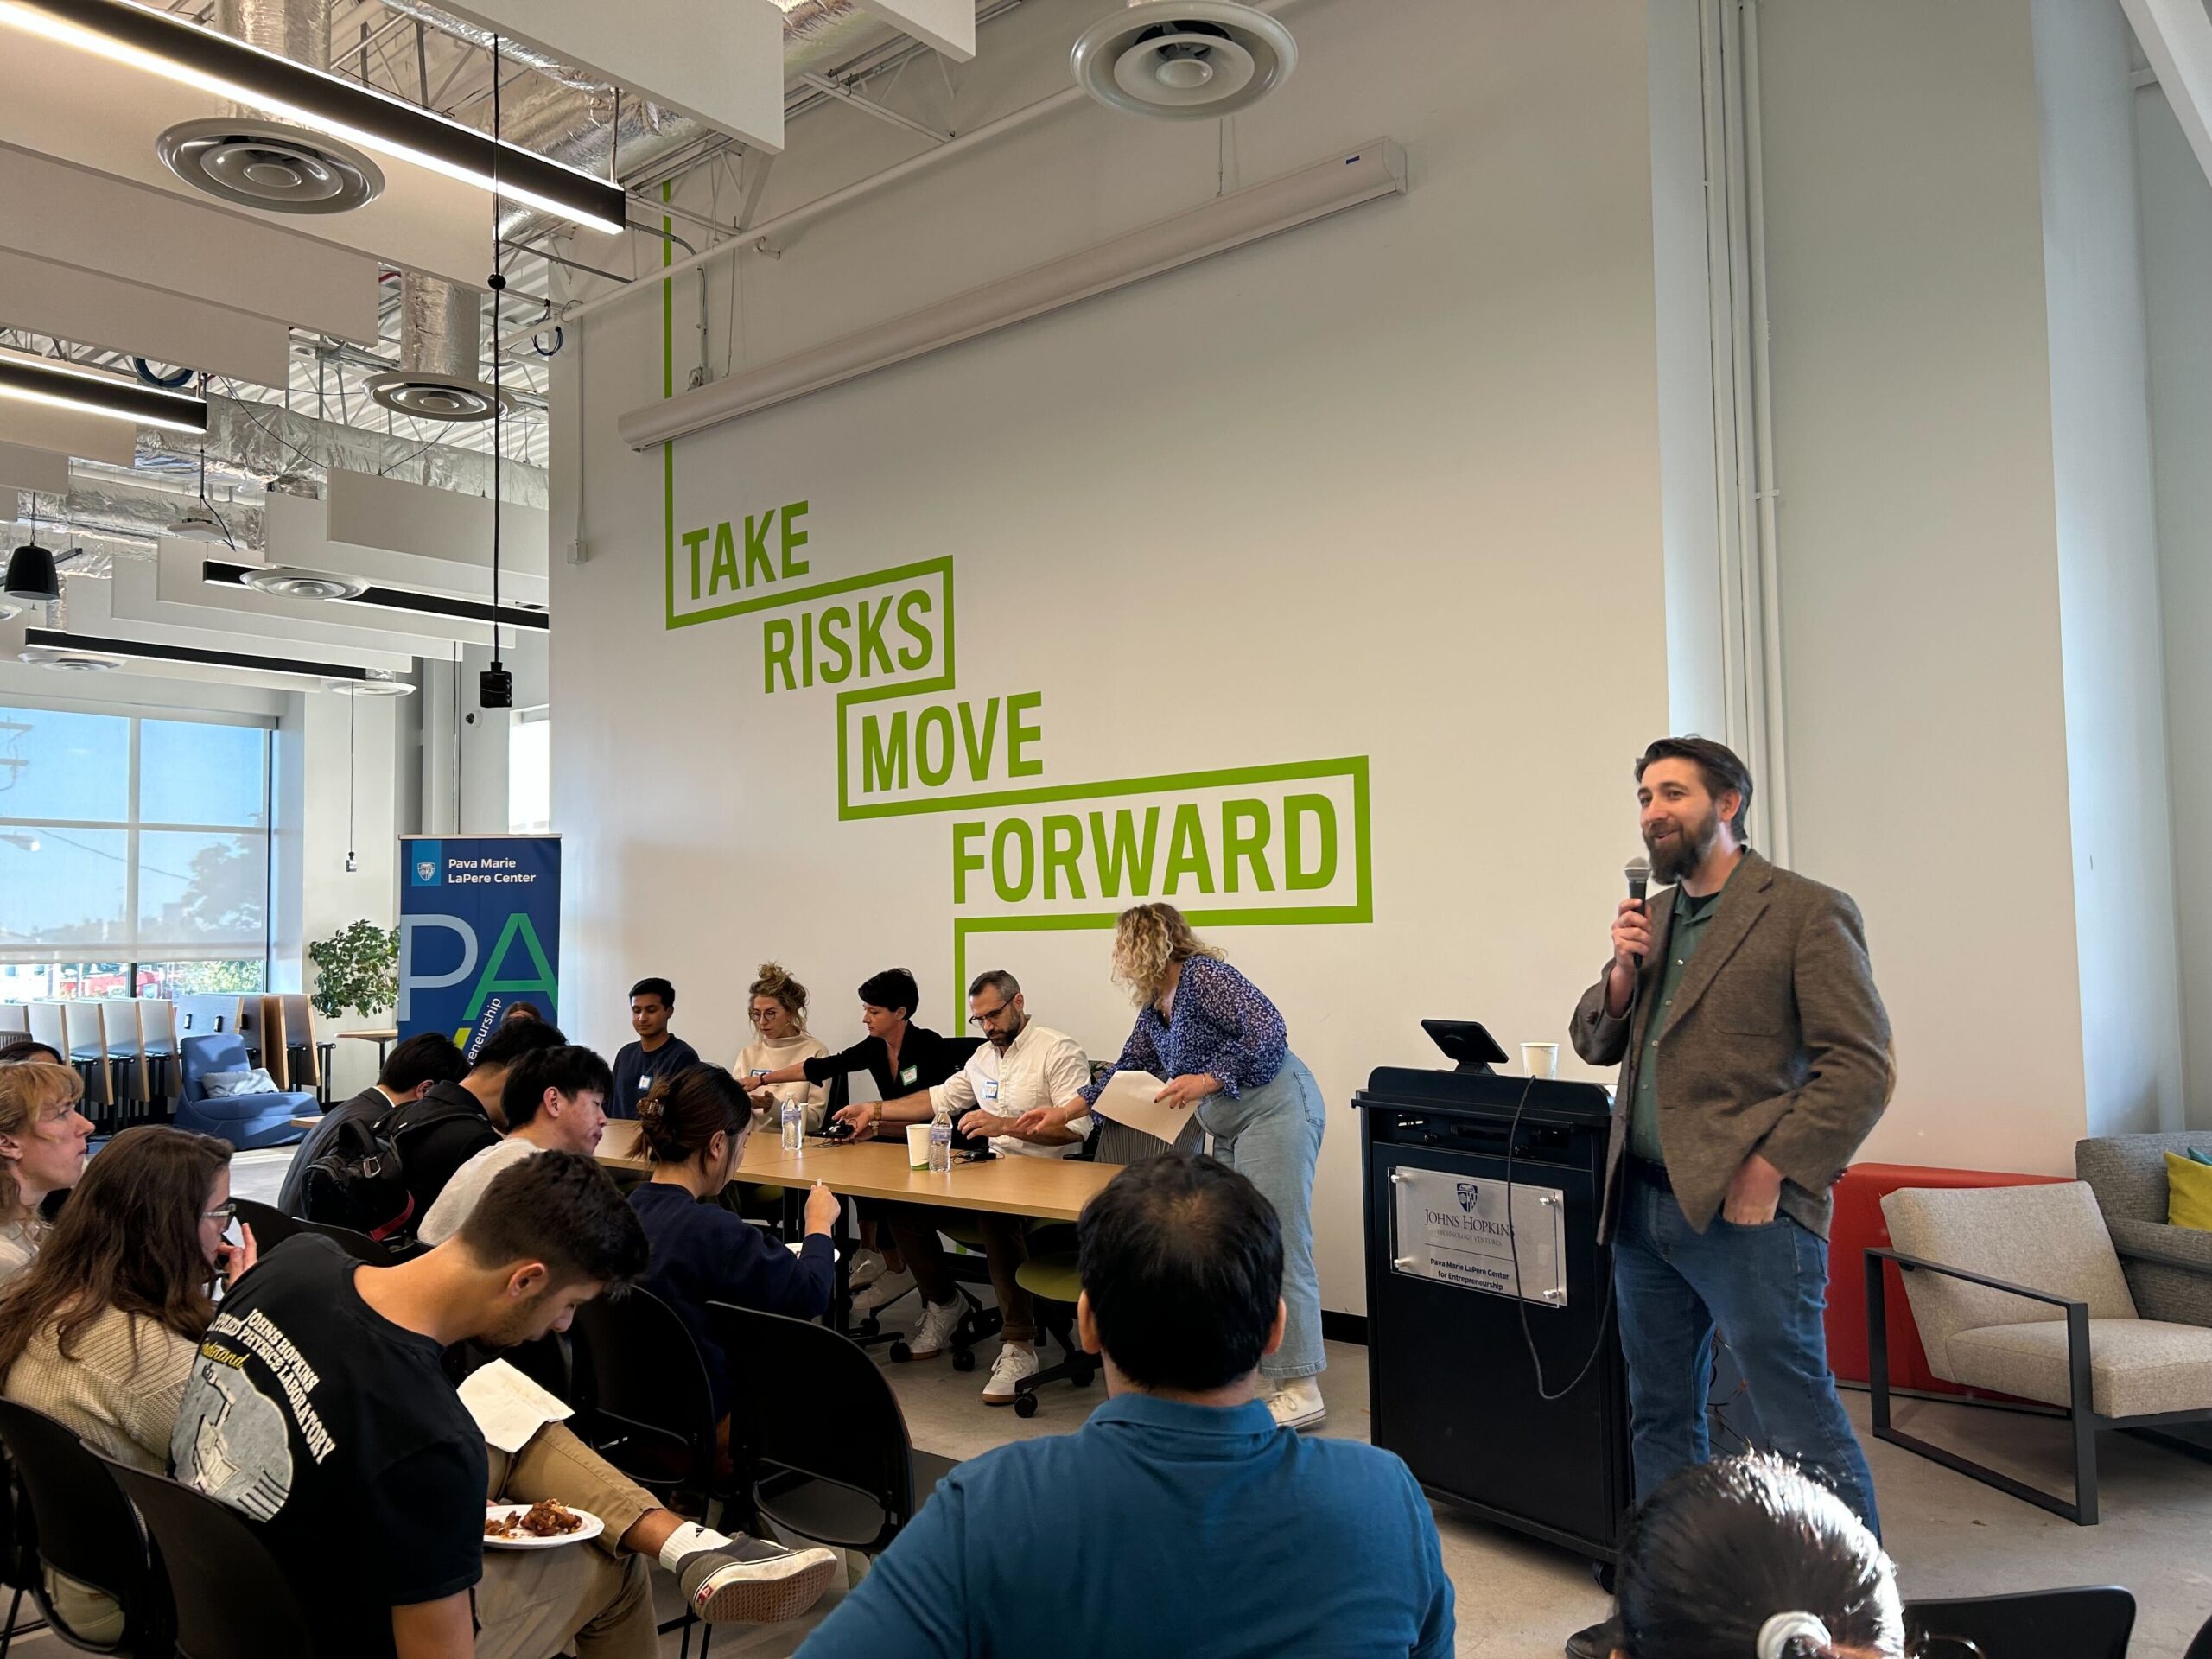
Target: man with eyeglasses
1019, 1066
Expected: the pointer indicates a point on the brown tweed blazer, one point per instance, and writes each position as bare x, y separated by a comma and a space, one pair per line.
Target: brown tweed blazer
1777, 1044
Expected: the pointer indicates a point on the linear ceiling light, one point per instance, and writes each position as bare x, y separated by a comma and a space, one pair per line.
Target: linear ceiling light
289, 582
130, 34
65, 385
50, 646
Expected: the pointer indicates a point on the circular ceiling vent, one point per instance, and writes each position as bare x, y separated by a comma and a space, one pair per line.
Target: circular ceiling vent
289, 582
379, 684
70, 661
1185, 59
267, 164
429, 395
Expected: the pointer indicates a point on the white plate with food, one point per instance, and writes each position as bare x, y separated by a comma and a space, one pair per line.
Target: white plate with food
538, 1526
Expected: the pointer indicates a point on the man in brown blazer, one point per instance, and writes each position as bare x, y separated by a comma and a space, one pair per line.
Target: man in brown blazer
1755, 1056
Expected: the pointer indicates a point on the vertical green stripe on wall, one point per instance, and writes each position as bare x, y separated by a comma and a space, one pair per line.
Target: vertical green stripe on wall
668, 391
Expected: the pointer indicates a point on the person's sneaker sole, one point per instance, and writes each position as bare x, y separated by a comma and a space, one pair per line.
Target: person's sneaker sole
765, 1592
1320, 1414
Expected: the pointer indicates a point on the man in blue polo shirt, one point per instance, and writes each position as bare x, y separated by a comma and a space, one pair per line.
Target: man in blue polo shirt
1179, 1519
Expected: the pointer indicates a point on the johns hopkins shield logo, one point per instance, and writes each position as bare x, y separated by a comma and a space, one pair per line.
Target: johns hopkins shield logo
428, 866
1468, 1193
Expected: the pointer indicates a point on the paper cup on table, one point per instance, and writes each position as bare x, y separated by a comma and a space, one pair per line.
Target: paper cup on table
918, 1146
1540, 1060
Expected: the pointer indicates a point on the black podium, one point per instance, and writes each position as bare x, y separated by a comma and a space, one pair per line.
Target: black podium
1450, 1382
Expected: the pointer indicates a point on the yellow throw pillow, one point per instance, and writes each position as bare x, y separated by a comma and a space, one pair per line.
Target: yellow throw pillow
2189, 1193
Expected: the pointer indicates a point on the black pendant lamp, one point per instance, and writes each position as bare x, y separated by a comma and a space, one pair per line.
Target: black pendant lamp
31, 576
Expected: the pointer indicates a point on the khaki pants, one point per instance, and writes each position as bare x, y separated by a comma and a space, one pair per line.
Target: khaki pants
1005, 1248
598, 1597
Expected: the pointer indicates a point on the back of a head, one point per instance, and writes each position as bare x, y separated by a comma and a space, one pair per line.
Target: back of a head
568, 1069
893, 987
1723, 1552
426, 1057
509, 1043
1182, 1259
558, 1208
24, 1049
681, 1116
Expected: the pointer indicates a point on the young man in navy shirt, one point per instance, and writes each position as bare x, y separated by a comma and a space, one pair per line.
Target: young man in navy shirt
1179, 1519
658, 1052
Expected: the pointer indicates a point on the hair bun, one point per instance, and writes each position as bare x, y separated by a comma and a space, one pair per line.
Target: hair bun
771, 974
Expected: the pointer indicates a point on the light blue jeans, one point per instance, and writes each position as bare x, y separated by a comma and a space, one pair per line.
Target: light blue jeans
1272, 1135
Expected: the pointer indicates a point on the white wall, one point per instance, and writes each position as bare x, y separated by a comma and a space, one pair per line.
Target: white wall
1386, 485
1918, 551
2176, 221
2108, 571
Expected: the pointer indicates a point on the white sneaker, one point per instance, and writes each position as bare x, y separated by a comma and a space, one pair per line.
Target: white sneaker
1014, 1363
867, 1269
887, 1288
1297, 1403
934, 1334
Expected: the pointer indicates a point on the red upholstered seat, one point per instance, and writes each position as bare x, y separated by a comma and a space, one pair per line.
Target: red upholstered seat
1858, 1227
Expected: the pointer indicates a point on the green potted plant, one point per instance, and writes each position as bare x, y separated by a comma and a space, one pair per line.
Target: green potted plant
356, 970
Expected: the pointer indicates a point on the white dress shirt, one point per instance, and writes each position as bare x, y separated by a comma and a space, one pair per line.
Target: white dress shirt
1040, 1067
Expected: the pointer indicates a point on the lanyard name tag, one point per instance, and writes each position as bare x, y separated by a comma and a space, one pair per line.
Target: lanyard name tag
908, 1074
991, 1088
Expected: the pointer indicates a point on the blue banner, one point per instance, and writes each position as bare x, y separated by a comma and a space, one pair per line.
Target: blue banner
480, 930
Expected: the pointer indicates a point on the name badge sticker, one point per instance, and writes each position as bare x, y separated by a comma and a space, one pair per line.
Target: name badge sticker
991, 1088
908, 1073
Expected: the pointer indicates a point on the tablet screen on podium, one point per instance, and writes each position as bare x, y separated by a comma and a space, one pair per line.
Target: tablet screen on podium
1465, 1041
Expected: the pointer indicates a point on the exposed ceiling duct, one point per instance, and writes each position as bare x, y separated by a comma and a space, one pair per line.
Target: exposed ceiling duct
244, 157
440, 361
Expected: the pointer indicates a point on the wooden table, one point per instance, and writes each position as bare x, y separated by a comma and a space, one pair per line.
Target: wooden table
383, 1038
1054, 1188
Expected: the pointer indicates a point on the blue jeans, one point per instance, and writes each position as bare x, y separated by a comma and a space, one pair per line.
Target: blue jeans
1766, 1287
1272, 1136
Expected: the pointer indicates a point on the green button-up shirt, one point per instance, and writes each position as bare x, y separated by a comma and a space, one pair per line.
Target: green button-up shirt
1683, 933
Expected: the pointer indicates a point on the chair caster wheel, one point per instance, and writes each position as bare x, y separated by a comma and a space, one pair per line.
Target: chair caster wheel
1025, 1405
963, 1359
900, 1353
869, 1326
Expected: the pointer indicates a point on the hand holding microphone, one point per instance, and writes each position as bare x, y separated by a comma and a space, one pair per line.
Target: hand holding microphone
1631, 938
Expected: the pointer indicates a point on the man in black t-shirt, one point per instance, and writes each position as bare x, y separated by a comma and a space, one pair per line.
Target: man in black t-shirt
318, 1406
658, 1052
451, 1122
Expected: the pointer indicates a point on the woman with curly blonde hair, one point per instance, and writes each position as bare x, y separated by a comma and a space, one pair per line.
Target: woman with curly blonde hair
780, 1039
1220, 1045
42, 1142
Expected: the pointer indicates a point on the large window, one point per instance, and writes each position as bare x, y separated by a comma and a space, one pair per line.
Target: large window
134, 854
530, 772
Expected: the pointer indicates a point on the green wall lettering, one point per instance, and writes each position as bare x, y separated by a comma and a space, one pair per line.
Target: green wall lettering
724, 573
964, 861
1019, 736
1063, 834
1186, 852
777, 639
1244, 833
939, 719
1297, 876
1125, 856
883, 753
912, 605
692, 539
1011, 890
756, 546
793, 539
837, 665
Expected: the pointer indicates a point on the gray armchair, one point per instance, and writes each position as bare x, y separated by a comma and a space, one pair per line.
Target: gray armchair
2168, 1269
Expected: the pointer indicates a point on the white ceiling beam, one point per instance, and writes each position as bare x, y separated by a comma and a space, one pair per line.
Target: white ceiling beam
2176, 36
89, 608
136, 597
180, 583
90, 308
363, 511
94, 113
718, 61
41, 471
153, 237
67, 431
948, 25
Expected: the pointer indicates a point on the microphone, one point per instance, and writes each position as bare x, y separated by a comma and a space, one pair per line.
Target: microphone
1638, 871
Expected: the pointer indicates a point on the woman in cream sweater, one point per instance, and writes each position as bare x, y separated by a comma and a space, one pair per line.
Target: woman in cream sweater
781, 1040
100, 1331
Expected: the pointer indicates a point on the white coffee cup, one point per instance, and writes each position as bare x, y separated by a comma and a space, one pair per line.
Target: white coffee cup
1540, 1060
918, 1146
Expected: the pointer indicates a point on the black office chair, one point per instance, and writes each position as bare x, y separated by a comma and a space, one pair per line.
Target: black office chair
18, 1554
1050, 1278
80, 1524
2202, 1647
640, 1387
271, 1227
230, 1599
841, 1472
2092, 1623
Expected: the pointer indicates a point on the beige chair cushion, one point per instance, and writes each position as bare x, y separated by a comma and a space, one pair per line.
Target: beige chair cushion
2137, 1367
2050, 1238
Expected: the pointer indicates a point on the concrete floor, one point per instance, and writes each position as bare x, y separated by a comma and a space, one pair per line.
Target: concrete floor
1519, 1599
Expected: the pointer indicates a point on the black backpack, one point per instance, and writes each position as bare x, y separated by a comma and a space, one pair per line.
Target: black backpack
357, 1181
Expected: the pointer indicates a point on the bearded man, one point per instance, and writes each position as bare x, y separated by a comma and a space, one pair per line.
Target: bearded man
1755, 1056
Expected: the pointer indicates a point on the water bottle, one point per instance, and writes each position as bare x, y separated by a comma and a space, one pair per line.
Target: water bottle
794, 1125
940, 1140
